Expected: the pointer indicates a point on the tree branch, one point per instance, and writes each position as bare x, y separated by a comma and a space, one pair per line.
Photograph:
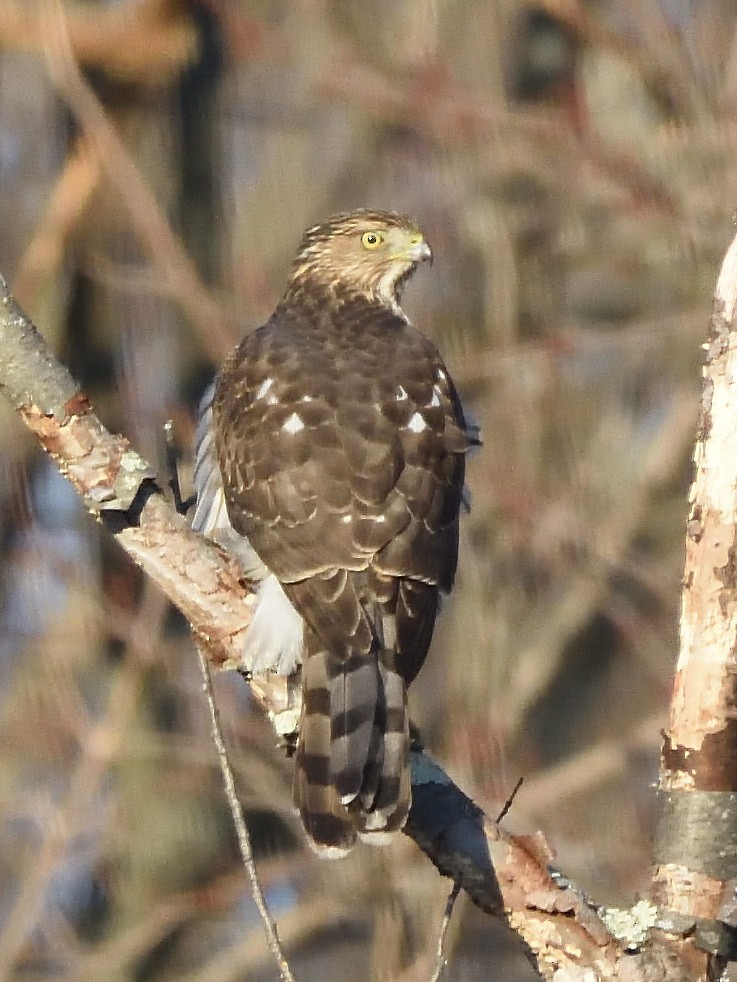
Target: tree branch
118, 488
572, 940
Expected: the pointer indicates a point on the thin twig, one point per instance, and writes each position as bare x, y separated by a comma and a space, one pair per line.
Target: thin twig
508, 803
241, 830
440, 961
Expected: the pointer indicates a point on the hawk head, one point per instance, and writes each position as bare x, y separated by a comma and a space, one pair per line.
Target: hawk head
367, 252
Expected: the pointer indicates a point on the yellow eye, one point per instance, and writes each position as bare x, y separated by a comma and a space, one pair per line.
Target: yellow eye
372, 240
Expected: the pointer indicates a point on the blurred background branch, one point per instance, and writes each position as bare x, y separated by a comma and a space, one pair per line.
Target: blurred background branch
573, 166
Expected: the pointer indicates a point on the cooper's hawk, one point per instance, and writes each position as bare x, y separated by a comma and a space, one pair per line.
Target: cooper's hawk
331, 462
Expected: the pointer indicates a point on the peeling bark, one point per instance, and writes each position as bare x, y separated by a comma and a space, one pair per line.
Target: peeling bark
696, 845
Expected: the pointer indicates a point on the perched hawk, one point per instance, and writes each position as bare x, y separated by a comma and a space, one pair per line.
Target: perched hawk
330, 461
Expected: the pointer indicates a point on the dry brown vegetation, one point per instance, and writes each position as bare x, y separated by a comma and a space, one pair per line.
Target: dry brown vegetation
573, 167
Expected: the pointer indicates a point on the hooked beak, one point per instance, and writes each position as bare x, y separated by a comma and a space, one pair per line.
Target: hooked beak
417, 251
422, 251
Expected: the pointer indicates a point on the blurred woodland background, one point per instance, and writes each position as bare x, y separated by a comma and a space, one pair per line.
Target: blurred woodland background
573, 167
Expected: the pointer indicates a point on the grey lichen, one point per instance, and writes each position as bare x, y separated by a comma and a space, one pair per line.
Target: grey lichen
133, 471
631, 926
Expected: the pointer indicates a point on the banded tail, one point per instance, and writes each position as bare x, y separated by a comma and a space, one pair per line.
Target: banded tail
352, 767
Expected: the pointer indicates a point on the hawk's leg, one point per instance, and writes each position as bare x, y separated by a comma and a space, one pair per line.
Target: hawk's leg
181, 507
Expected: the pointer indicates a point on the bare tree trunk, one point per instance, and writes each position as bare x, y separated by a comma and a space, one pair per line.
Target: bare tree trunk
696, 845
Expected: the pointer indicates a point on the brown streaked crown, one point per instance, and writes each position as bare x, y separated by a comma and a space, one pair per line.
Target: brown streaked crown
364, 251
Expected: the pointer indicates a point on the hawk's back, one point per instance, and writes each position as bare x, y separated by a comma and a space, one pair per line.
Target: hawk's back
338, 448
342, 445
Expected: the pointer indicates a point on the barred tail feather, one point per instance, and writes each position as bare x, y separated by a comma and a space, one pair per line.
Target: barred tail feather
354, 695
330, 830
352, 771
393, 795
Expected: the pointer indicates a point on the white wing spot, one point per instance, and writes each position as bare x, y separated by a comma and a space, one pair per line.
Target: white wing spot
306, 398
264, 388
441, 374
417, 424
347, 519
401, 393
380, 518
294, 424
435, 401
